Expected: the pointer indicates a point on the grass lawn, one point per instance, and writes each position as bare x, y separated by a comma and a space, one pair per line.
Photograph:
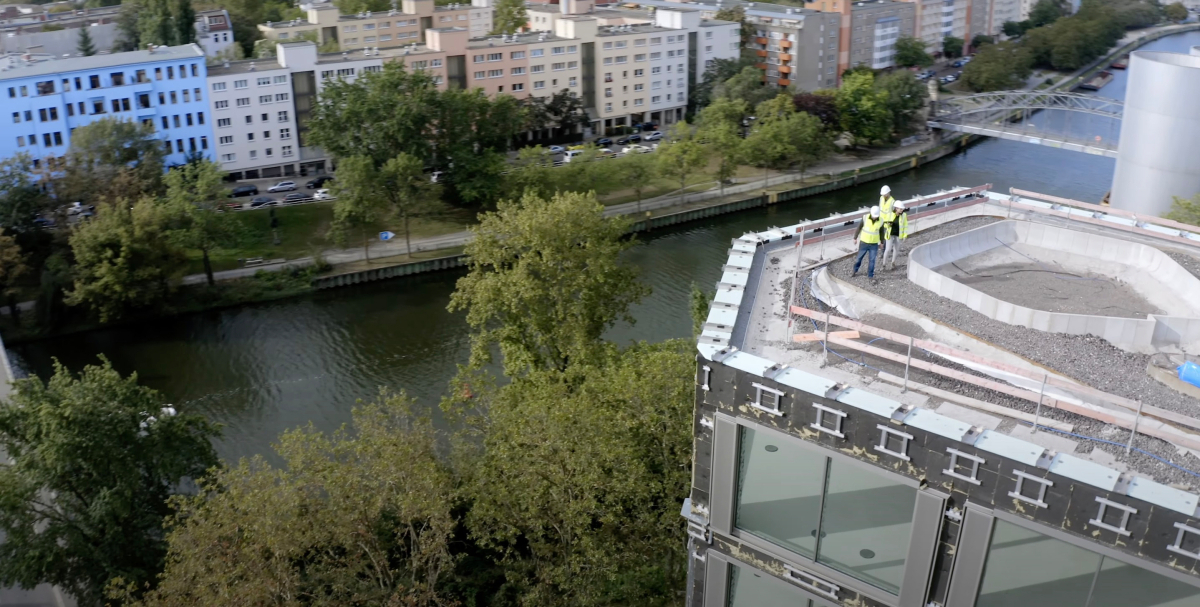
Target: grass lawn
303, 231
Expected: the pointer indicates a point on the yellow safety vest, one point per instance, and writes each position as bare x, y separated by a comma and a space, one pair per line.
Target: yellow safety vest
897, 218
885, 207
870, 230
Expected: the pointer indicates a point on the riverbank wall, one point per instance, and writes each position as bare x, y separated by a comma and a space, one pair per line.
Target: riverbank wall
847, 180
1090, 69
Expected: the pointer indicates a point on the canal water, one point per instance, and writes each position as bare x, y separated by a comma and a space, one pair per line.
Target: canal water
262, 369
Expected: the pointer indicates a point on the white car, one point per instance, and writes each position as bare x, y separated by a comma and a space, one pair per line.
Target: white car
282, 186
323, 194
654, 136
637, 149
571, 154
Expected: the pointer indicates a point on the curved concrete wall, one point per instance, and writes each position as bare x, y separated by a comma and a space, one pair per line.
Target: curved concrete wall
1149, 269
1158, 156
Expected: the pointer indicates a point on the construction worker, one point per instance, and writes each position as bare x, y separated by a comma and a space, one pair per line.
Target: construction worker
885, 200
888, 215
895, 231
867, 239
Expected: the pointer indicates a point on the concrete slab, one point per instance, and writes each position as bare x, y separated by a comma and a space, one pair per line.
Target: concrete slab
971, 416
1105, 458
1044, 438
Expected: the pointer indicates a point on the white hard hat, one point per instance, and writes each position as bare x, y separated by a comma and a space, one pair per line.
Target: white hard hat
885, 190
875, 211
899, 206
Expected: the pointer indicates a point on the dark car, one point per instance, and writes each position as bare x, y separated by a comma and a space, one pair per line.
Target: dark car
244, 190
319, 182
603, 141
261, 201
630, 139
296, 197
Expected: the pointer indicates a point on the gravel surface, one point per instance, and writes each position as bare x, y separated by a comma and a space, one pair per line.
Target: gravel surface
1189, 263
1086, 359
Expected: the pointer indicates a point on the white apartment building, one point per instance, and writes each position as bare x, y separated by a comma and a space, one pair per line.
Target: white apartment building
259, 108
214, 33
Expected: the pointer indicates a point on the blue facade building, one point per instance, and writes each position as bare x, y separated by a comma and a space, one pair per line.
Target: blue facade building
43, 99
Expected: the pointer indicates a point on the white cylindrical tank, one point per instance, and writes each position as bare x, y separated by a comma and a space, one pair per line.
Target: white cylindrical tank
1158, 156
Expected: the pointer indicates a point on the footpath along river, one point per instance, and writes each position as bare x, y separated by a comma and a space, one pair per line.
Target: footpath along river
262, 369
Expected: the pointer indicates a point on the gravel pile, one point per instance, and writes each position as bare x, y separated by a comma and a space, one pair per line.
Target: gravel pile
1087, 359
1189, 263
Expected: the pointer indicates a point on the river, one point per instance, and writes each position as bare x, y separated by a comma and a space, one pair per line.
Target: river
261, 369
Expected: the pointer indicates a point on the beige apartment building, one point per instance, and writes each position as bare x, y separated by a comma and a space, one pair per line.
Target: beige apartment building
382, 29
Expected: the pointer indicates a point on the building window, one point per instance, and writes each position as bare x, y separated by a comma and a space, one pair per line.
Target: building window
435, 63
249, 136
495, 56
784, 487
281, 79
517, 71
176, 117
572, 81
45, 87
264, 99
283, 116
518, 87
228, 157
558, 50
220, 105
223, 122
166, 123
539, 84
537, 52
98, 106
218, 86
238, 84
517, 54
285, 133
639, 57
269, 152
226, 140
286, 151
93, 82
537, 69
480, 75
478, 58
243, 102
558, 67
253, 154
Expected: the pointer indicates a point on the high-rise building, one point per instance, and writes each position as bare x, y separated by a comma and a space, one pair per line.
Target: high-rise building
998, 422
381, 29
45, 99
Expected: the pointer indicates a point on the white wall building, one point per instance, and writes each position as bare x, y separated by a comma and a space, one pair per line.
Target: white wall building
214, 33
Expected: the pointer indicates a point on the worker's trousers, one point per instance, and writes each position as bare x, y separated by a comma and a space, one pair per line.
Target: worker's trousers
890, 247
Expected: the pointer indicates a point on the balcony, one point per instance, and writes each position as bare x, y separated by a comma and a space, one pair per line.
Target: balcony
785, 57
783, 69
760, 40
761, 66
784, 82
785, 43
761, 53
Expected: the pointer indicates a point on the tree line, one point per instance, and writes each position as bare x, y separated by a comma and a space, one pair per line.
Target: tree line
1053, 39
558, 484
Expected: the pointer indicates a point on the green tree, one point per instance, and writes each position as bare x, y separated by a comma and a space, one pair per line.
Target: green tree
85, 46
471, 132
1176, 12
981, 40
545, 280
737, 14
562, 113
183, 20
746, 85
1013, 29
509, 17
1185, 210
905, 96
720, 70
128, 33
245, 15
21, 200
359, 517
681, 156
910, 52
156, 24
350, 7
952, 46
636, 172
399, 189
125, 259
94, 460
1045, 12
12, 269
1002, 66
822, 104
195, 196
380, 115
863, 110
577, 475
113, 158
783, 137
720, 125
531, 172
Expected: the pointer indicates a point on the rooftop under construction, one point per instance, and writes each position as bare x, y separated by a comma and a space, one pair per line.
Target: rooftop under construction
1016, 370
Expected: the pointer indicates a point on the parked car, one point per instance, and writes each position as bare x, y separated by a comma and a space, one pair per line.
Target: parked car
43, 222
282, 186
628, 140
571, 154
261, 201
556, 149
603, 141
322, 195
296, 197
77, 208
637, 149
958, 63
652, 136
244, 190
646, 126
435, 176
605, 153
235, 205
577, 146
319, 182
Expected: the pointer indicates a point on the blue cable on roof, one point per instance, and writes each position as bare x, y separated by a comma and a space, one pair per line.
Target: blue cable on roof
1108, 442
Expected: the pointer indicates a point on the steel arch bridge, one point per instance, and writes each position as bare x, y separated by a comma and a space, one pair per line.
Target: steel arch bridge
1005, 114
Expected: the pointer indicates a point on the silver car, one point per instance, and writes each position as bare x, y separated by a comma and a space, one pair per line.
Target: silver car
282, 186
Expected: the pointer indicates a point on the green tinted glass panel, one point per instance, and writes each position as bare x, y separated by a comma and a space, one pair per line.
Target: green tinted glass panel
779, 491
1122, 585
1028, 569
749, 588
866, 526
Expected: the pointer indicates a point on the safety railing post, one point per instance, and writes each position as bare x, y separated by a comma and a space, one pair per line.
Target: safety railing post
1037, 414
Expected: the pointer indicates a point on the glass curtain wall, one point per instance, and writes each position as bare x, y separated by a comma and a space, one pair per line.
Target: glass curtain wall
749, 588
1027, 569
837, 513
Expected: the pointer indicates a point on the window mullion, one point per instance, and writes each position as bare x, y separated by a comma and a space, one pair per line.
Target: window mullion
1095, 578
821, 512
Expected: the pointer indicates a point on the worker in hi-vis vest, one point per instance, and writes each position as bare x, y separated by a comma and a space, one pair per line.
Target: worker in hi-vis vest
887, 213
867, 239
893, 233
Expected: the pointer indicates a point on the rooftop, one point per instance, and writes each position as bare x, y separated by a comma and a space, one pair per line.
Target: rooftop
1018, 310
18, 68
288, 24
526, 38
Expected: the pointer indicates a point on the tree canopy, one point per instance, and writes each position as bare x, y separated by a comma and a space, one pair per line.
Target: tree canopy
112, 158
509, 17
545, 280
863, 109
910, 52
94, 461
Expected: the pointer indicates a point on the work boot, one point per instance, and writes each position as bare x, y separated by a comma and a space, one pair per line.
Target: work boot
853, 274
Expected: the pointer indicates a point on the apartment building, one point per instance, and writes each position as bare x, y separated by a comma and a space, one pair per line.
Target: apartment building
797, 47
260, 107
214, 33
875, 26
382, 29
58, 33
46, 99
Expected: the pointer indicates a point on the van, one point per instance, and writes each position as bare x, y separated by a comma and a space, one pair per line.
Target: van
571, 154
